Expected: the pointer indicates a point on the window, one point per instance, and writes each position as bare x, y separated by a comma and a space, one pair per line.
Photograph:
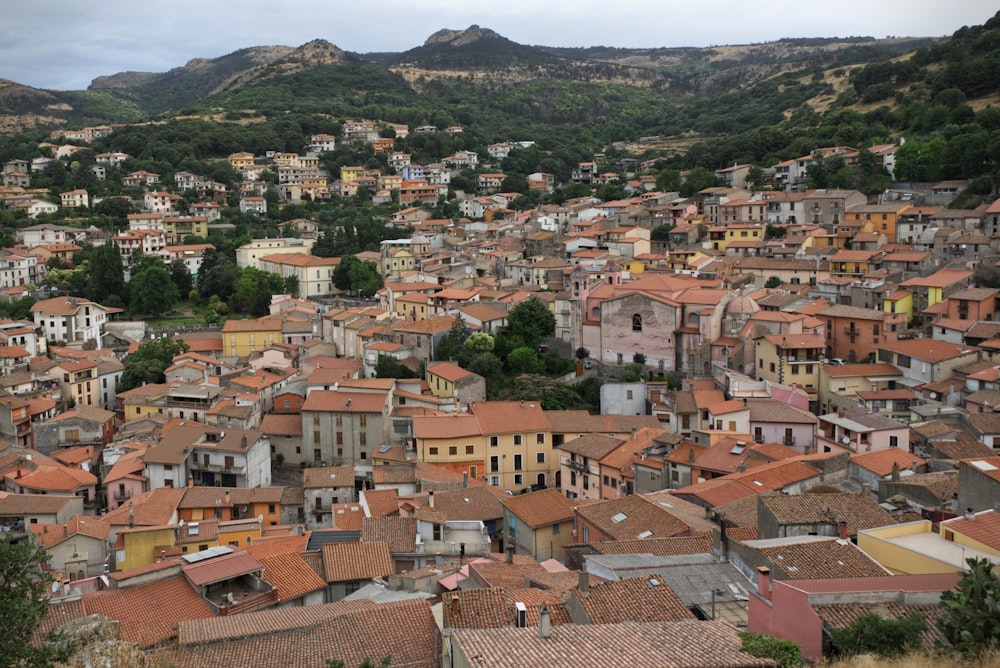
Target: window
494, 441
518, 479
495, 480
363, 420
540, 439
229, 462
270, 507
340, 438
539, 457
636, 322
364, 455
494, 464
517, 439
893, 441
452, 450
432, 451
518, 462
470, 449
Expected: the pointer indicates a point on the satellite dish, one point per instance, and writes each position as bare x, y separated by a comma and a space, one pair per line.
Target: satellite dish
845, 440
932, 395
55, 586
260, 518
180, 523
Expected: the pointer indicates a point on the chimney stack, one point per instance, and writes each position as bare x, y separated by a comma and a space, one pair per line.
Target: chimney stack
465, 479
584, 583
544, 622
764, 582
430, 499
970, 514
510, 554
842, 529
866, 490
131, 515
635, 431
454, 604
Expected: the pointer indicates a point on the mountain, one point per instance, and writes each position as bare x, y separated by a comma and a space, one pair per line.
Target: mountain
478, 75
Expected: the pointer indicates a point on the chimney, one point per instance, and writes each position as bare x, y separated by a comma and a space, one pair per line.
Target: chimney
544, 622
584, 580
430, 499
454, 605
895, 472
228, 498
510, 554
190, 480
65, 531
465, 479
842, 529
970, 514
866, 490
522, 403
635, 431
243, 442
764, 582
131, 515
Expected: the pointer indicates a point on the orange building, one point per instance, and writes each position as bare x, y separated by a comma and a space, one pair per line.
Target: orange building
853, 333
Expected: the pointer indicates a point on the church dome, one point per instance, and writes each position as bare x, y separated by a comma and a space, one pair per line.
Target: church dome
742, 305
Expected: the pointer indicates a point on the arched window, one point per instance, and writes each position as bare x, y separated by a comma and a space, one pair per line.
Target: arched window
636, 322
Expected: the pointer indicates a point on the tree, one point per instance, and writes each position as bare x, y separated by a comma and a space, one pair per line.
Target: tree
367, 663
971, 617
785, 652
662, 232
389, 367
524, 360
181, 276
152, 290
532, 321
582, 353
874, 634
480, 342
146, 364
24, 602
773, 282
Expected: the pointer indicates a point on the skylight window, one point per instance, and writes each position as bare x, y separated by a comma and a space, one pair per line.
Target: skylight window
619, 517
645, 534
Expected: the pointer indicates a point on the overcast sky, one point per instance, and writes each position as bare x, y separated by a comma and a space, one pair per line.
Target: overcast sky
65, 44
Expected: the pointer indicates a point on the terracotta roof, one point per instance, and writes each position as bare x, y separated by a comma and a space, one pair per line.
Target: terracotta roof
842, 615
53, 534
593, 446
503, 417
347, 516
716, 492
769, 410
858, 511
675, 545
983, 527
536, 509
344, 402
880, 462
494, 607
291, 576
394, 474
708, 644
632, 517
348, 562
222, 567
827, 558
153, 508
264, 548
776, 476
641, 599
469, 504
277, 424
326, 477
352, 637
380, 502
400, 533
149, 613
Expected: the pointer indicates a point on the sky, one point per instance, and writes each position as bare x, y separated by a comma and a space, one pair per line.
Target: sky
65, 44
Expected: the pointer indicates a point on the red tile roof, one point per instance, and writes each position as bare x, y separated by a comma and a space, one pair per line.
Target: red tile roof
348, 562
291, 576
149, 614
536, 509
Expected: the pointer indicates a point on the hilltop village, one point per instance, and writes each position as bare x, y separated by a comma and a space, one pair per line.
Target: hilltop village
793, 417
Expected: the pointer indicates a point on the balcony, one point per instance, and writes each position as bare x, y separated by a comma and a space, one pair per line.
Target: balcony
122, 495
852, 331
576, 465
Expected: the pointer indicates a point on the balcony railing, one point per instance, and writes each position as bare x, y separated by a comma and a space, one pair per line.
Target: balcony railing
576, 465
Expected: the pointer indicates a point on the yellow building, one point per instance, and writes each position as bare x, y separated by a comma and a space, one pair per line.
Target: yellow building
900, 301
511, 440
353, 173
183, 226
241, 161
914, 549
413, 306
720, 236
242, 337
314, 274
78, 382
839, 384
881, 218
143, 401
141, 546
791, 359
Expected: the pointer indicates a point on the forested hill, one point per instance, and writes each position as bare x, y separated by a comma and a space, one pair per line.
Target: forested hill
749, 103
